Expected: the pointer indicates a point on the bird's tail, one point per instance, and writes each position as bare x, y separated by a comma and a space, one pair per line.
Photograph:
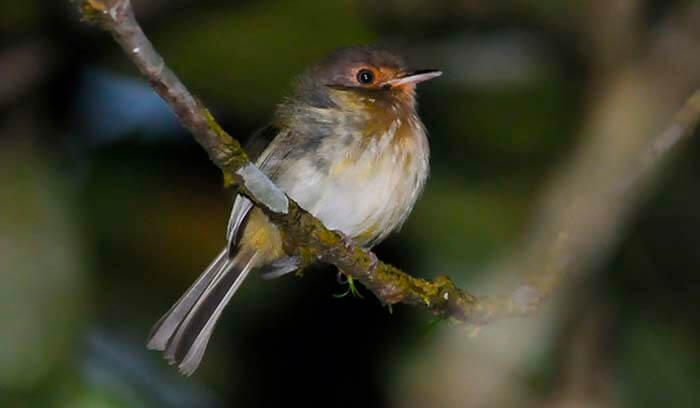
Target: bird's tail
184, 331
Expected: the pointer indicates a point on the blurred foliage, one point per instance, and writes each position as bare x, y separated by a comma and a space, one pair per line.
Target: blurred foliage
43, 299
243, 55
106, 219
672, 353
440, 217
19, 16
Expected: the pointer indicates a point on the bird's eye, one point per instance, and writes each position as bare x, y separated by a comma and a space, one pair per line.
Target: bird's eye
365, 76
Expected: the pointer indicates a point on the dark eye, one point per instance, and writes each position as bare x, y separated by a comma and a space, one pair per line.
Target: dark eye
365, 76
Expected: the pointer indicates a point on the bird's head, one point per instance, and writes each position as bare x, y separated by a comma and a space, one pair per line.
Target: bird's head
361, 76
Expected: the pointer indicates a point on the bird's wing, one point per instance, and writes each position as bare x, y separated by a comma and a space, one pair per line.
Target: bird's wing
239, 212
265, 148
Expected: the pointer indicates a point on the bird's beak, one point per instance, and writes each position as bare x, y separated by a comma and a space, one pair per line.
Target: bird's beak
415, 77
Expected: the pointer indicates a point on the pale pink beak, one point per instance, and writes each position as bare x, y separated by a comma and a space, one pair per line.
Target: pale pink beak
415, 77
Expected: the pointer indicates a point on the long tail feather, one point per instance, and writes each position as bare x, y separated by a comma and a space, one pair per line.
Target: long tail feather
163, 330
186, 329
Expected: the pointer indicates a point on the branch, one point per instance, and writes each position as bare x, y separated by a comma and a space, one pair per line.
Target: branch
304, 234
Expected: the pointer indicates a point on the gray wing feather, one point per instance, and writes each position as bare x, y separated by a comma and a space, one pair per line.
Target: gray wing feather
241, 207
266, 145
280, 267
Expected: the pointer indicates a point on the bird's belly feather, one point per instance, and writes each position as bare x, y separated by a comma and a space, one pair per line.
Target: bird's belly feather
365, 197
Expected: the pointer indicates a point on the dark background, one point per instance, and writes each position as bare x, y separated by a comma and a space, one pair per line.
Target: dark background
109, 210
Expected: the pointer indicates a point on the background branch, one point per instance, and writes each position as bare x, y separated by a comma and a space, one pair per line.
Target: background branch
306, 235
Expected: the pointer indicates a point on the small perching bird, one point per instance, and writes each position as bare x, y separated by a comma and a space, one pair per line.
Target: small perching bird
349, 147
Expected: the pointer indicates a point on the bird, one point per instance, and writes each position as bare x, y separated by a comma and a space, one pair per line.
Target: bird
348, 146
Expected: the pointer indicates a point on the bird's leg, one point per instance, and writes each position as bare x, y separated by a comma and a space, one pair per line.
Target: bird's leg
345, 279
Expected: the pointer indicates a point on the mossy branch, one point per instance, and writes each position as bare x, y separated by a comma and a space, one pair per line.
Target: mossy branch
304, 234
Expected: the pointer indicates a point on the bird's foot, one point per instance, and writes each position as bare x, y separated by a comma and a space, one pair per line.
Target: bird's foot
373, 260
346, 240
344, 279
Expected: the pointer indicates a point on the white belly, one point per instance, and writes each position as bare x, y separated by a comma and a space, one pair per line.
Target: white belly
365, 196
